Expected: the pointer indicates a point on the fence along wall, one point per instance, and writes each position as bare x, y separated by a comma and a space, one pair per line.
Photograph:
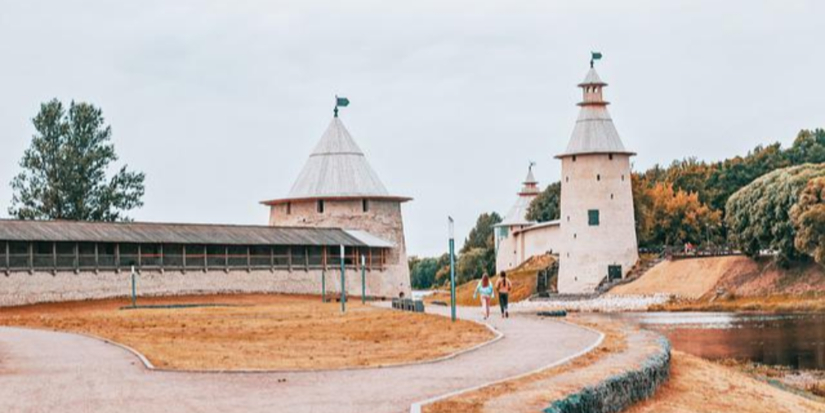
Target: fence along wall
17, 256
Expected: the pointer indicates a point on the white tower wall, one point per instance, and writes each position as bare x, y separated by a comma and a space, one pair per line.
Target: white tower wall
597, 182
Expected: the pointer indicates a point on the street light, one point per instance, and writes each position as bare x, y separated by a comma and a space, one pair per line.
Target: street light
452, 266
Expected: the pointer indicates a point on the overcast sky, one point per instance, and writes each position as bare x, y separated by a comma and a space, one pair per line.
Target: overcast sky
220, 102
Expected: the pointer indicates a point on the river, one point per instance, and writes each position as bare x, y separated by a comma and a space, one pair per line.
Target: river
793, 340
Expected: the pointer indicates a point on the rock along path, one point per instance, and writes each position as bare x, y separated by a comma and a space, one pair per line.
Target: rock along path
42, 371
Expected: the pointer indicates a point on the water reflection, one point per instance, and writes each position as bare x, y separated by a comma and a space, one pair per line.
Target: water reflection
795, 340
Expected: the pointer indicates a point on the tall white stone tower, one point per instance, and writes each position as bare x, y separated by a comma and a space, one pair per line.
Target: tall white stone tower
597, 220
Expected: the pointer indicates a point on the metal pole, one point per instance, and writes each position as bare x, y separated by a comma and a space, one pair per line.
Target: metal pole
343, 282
363, 279
452, 268
134, 292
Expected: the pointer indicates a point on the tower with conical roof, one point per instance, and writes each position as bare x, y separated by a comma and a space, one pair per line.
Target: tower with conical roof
338, 188
509, 253
598, 230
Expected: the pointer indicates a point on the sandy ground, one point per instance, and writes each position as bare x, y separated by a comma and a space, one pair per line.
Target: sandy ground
737, 276
273, 332
689, 278
699, 386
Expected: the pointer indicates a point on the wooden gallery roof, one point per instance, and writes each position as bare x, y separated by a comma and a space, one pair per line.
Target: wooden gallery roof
157, 233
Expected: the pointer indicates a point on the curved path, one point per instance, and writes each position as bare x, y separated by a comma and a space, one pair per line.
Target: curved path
44, 371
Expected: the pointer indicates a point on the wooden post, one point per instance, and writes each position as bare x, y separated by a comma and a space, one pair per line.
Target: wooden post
205, 262
160, 261
272, 258
306, 258
117, 257
183, 258
325, 257
97, 259
248, 259
31, 258
76, 258
226, 258
54, 258
140, 257
289, 258
8, 260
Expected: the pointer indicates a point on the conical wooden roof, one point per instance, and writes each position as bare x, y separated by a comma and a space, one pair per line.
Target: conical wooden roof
337, 168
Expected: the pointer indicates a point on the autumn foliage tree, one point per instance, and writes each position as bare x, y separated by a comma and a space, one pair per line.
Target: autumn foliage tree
672, 217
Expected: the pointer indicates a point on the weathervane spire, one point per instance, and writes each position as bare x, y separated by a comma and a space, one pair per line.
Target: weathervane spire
340, 102
594, 56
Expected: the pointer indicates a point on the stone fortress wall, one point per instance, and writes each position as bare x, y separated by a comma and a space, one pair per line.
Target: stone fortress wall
21, 288
382, 219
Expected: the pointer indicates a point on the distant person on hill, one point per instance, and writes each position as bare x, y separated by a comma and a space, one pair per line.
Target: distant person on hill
503, 287
485, 289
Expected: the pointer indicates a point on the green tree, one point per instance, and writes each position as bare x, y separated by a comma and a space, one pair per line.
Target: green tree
808, 217
423, 271
481, 236
758, 214
472, 264
64, 169
546, 206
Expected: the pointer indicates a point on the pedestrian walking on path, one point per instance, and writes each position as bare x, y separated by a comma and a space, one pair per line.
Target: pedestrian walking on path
503, 287
485, 289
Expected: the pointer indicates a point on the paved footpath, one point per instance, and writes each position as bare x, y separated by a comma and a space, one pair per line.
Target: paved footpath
57, 372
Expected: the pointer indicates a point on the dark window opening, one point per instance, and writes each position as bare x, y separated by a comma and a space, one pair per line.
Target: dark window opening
610, 156
593, 217
365, 205
320, 206
598, 177
574, 158
611, 196
289, 208
614, 272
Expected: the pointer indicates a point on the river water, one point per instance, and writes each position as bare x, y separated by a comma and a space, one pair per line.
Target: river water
794, 340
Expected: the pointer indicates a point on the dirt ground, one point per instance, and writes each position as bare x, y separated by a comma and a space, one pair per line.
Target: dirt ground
523, 279
699, 386
732, 283
533, 392
271, 332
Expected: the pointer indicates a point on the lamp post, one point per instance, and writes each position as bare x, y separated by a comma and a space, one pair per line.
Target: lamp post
343, 282
452, 267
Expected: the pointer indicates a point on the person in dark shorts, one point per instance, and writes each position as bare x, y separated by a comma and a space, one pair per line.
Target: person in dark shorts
503, 287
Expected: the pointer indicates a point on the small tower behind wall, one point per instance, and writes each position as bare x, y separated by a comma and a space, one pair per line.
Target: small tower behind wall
597, 220
507, 250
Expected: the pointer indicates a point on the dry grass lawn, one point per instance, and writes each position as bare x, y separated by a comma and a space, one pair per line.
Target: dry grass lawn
267, 332
698, 386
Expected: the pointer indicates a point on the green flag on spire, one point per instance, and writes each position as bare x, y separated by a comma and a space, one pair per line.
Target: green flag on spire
595, 56
340, 102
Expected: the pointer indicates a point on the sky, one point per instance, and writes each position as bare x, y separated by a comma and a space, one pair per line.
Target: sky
221, 102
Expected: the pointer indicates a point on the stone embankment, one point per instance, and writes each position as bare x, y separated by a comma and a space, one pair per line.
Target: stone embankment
592, 303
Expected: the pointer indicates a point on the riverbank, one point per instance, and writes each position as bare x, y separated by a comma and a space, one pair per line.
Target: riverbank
810, 302
698, 386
